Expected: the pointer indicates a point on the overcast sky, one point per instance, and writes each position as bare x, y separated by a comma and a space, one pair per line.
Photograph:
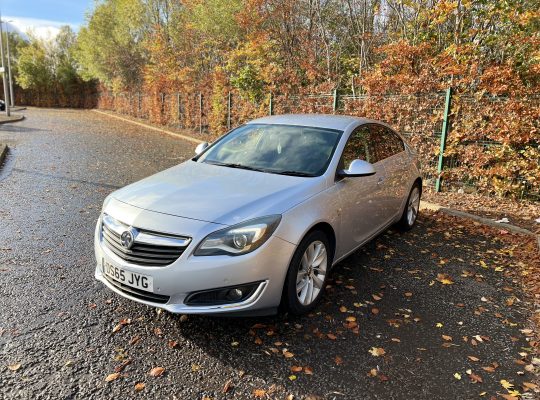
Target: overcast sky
44, 17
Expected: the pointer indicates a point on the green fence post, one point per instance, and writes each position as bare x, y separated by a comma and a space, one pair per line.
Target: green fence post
229, 111
336, 100
444, 134
271, 104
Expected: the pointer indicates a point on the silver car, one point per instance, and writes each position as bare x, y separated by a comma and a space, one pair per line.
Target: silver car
257, 219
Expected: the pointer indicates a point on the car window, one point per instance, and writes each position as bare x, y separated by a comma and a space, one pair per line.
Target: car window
357, 147
384, 143
287, 149
395, 141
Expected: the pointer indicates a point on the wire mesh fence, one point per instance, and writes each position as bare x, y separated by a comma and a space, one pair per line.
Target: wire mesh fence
481, 145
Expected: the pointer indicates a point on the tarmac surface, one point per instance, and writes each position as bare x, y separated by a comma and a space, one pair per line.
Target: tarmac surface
428, 314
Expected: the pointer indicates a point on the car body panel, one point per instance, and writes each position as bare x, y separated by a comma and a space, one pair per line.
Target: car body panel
217, 194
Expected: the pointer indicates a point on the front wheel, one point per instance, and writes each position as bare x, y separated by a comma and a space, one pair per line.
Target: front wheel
410, 213
307, 274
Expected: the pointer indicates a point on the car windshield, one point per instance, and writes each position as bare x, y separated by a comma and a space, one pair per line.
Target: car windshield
279, 149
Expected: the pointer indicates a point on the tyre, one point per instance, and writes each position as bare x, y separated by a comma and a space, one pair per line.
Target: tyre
308, 273
410, 213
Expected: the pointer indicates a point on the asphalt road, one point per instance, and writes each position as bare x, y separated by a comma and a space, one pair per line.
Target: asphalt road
57, 322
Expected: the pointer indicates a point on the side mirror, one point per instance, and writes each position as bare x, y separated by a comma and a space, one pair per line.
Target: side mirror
358, 168
200, 148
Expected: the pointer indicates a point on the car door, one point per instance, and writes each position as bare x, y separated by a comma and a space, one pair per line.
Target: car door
359, 197
390, 150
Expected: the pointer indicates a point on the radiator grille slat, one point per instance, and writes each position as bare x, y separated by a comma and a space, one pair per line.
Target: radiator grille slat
142, 253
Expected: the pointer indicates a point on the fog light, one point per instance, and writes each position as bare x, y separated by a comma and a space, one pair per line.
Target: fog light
225, 295
234, 294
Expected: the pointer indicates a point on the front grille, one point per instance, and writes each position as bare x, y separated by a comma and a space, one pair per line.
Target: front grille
137, 293
149, 248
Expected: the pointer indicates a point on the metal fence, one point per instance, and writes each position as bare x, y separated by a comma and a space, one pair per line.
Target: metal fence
429, 120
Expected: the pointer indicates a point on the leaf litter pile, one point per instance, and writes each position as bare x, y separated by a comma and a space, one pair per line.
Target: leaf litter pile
525, 214
444, 311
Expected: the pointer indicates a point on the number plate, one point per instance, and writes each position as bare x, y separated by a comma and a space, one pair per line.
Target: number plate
133, 279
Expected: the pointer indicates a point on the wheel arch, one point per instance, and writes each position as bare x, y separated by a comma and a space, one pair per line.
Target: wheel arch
328, 230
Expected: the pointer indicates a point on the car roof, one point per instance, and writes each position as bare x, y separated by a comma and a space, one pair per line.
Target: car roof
328, 121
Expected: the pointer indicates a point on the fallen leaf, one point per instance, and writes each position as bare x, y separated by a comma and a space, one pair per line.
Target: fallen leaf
296, 368
457, 376
374, 311
173, 343
505, 384
288, 354
444, 279
112, 377
508, 397
530, 385
139, 386
292, 377
375, 297
259, 392
14, 367
308, 371
350, 319
157, 371
343, 309
331, 336
377, 351
134, 340
447, 338
121, 367
227, 386
408, 294
472, 358
338, 360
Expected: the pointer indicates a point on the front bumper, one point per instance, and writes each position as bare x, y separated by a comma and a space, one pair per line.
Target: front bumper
267, 265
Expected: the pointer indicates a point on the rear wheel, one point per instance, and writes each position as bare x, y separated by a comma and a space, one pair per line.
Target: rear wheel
307, 274
412, 207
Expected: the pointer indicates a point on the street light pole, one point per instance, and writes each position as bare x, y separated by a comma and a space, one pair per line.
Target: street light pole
11, 97
6, 94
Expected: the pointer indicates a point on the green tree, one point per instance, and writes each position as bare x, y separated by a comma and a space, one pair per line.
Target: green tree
110, 47
35, 70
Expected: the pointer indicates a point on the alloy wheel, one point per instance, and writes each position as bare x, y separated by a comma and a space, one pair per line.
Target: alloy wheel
311, 273
413, 206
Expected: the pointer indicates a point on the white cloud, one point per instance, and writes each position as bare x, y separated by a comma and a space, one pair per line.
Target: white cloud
41, 28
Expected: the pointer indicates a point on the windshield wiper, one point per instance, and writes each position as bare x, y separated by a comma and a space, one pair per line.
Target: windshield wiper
233, 165
292, 173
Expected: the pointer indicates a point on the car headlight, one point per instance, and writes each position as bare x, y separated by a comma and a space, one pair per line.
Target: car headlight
239, 239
